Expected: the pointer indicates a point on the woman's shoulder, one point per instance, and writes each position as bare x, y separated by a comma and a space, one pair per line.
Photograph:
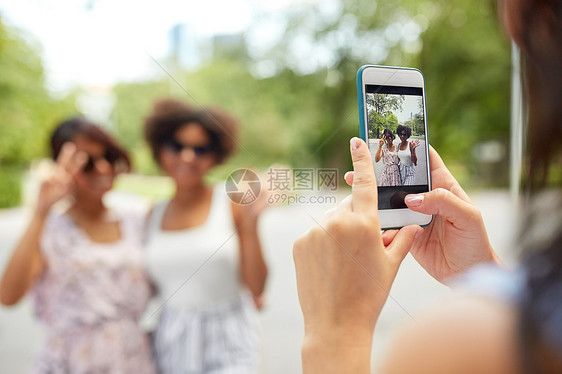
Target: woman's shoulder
128, 215
493, 281
154, 215
158, 207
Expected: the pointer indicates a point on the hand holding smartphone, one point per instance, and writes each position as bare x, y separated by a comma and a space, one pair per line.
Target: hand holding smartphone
393, 123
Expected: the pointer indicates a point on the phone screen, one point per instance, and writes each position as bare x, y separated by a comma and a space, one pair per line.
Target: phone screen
396, 135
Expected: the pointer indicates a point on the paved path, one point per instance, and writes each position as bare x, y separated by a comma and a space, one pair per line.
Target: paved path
281, 321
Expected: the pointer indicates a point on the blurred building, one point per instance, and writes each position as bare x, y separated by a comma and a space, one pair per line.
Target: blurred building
184, 49
187, 50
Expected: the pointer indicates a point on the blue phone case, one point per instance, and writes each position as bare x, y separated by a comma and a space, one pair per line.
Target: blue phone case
363, 125
360, 102
360, 98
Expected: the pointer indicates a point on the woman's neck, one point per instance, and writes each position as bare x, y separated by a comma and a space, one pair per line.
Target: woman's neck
89, 208
188, 196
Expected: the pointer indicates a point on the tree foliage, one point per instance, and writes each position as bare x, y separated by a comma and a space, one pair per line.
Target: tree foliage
27, 109
416, 124
295, 96
379, 113
459, 45
303, 109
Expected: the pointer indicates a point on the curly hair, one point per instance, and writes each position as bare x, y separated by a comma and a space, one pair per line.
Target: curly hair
169, 115
407, 129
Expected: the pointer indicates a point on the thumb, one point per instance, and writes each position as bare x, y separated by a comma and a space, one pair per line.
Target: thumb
444, 203
402, 242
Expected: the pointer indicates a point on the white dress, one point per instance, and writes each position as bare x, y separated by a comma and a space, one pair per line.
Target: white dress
208, 322
407, 167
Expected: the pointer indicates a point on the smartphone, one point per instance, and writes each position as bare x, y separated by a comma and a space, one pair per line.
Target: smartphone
393, 122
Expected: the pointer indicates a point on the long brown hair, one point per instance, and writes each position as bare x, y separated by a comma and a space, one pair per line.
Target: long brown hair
540, 307
541, 69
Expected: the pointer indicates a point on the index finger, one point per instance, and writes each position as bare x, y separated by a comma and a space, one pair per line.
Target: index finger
442, 177
64, 158
364, 187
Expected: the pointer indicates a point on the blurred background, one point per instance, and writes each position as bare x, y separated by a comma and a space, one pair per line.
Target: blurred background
286, 69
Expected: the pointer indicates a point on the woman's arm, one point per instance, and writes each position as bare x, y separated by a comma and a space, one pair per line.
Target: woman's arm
379, 151
252, 264
412, 147
344, 274
145, 232
26, 263
344, 352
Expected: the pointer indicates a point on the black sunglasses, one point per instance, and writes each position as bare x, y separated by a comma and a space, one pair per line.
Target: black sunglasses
108, 156
402, 134
199, 150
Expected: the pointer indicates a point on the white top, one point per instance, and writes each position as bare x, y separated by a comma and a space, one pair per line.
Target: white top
198, 267
405, 156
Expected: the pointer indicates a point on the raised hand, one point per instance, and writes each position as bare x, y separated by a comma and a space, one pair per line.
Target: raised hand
456, 239
344, 274
60, 181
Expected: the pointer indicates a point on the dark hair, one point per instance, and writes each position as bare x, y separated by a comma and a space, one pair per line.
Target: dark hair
169, 115
540, 307
78, 126
541, 59
388, 131
407, 129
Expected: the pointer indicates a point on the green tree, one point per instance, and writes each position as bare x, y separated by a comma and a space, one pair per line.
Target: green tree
303, 110
416, 124
379, 108
466, 62
27, 109
458, 44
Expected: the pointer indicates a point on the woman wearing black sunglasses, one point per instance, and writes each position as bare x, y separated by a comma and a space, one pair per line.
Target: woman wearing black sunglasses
203, 251
83, 266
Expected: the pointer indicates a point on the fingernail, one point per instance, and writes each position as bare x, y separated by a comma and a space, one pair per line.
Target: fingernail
355, 143
414, 200
418, 233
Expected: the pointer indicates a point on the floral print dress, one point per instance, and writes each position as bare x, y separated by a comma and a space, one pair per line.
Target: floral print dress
391, 172
89, 299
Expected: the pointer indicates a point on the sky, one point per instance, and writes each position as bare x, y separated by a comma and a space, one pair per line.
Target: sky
99, 42
409, 108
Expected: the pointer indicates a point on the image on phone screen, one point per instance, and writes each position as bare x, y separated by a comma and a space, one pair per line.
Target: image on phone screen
397, 142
